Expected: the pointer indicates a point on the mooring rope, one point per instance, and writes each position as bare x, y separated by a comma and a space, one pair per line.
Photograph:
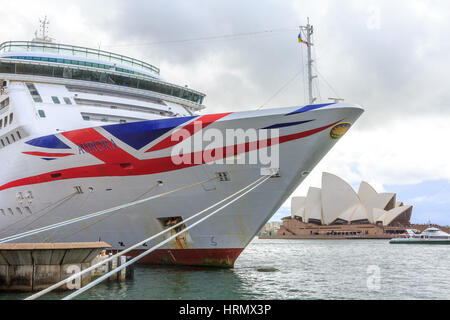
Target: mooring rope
55, 204
107, 275
97, 221
74, 276
95, 214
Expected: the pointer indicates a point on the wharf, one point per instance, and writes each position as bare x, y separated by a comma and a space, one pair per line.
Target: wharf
36, 266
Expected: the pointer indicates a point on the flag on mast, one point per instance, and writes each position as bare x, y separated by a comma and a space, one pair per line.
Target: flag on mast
300, 40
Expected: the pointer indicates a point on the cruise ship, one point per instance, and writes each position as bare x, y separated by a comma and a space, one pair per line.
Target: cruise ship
83, 130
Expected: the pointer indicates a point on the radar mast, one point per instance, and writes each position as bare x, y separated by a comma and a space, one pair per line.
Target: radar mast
308, 29
42, 34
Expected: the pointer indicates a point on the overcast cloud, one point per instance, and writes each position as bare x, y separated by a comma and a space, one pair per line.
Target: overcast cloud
389, 56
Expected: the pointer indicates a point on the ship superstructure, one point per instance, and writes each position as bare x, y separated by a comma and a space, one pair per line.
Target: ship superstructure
84, 130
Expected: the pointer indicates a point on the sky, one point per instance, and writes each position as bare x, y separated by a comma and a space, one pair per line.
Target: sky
390, 57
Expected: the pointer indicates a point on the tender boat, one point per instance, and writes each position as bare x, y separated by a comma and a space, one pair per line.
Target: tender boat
428, 236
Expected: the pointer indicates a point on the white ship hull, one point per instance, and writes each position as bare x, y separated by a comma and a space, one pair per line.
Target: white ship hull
43, 185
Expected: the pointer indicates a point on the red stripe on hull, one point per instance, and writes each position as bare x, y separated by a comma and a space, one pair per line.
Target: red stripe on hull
224, 258
112, 167
46, 154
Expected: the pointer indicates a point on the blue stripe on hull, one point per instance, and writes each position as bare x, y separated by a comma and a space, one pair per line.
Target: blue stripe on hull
310, 107
287, 124
139, 134
51, 142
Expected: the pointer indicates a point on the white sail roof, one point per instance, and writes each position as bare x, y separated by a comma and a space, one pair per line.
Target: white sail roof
298, 207
366, 191
356, 212
386, 217
313, 205
337, 202
372, 199
337, 196
380, 201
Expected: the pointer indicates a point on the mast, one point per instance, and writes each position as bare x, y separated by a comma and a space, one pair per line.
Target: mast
308, 29
43, 37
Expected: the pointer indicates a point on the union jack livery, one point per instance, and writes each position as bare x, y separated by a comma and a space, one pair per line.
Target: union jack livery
83, 130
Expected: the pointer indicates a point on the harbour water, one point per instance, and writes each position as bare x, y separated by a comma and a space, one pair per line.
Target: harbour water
305, 269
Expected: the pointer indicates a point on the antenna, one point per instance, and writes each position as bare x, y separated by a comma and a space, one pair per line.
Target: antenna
308, 29
43, 29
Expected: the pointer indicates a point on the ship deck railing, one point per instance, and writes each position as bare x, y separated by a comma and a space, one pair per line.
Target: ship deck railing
64, 49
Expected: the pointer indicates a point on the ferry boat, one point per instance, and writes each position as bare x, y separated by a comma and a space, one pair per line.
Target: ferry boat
428, 236
83, 130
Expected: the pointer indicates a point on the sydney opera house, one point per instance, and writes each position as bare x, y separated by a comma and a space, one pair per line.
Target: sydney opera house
337, 211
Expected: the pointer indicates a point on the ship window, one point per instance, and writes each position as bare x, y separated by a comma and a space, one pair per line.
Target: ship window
41, 113
34, 93
1, 123
7, 140
14, 139
3, 143
89, 75
10, 118
18, 134
55, 100
4, 103
6, 120
67, 100
108, 118
223, 176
